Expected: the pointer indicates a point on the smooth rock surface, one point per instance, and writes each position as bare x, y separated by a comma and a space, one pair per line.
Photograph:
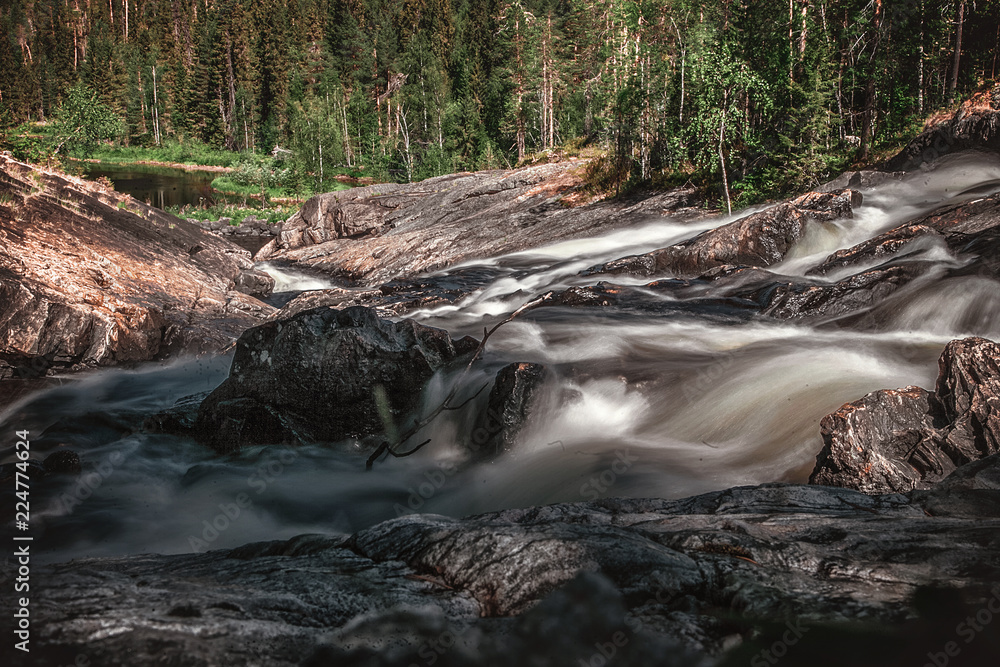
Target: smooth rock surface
91, 277
378, 233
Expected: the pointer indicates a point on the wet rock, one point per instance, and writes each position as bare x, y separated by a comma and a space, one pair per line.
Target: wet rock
64, 461
255, 283
758, 240
790, 301
684, 582
968, 387
379, 233
322, 375
958, 225
89, 277
508, 409
900, 440
887, 441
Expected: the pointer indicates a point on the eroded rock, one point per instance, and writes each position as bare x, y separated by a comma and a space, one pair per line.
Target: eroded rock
759, 239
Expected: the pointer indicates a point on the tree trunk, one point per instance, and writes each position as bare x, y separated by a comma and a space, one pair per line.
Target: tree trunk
953, 86
722, 154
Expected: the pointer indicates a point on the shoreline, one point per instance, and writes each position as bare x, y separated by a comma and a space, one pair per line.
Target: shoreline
154, 163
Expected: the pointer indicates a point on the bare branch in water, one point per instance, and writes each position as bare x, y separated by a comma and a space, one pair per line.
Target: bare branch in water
391, 448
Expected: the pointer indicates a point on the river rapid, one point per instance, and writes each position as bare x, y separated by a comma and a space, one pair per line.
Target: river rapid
680, 401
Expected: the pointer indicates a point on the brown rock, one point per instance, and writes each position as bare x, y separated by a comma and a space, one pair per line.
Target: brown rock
759, 239
90, 277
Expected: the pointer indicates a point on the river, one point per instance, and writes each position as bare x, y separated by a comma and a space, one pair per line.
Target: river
688, 399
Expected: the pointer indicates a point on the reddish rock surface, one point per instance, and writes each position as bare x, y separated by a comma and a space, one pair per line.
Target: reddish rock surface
91, 277
906, 439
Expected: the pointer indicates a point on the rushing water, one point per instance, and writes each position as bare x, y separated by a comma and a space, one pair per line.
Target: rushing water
640, 405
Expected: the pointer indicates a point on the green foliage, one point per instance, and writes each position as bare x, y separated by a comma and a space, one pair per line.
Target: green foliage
84, 122
761, 92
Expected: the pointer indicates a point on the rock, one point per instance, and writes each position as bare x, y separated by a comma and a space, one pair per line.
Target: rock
757, 240
791, 301
974, 125
897, 441
379, 233
883, 443
968, 387
317, 377
509, 407
959, 225
86, 283
705, 580
255, 283
64, 461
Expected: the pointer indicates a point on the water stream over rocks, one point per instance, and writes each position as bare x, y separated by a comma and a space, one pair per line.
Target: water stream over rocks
686, 394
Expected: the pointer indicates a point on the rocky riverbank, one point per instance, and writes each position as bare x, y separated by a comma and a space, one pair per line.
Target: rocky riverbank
724, 578
89, 277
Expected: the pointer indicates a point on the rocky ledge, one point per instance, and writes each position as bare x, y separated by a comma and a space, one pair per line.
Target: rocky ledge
375, 234
824, 575
91, 277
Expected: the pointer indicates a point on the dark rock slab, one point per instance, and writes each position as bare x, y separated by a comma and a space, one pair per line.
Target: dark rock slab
322, 375
508, 409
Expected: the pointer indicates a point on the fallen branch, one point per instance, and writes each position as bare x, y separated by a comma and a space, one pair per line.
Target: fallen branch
391, 448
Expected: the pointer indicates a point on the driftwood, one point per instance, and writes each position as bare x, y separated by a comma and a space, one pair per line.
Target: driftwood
392, 448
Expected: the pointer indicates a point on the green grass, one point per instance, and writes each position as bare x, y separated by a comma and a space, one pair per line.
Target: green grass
180, 152
227, 185
237, 213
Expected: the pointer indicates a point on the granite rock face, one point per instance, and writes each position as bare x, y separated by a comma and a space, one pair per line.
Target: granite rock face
323, 375
91, 277
375, 234
900, 440
759, 239
712, 579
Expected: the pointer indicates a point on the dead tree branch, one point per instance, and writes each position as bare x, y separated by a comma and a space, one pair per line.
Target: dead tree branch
392, 448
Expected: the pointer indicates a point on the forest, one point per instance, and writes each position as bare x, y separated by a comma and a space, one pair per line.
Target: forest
751, 98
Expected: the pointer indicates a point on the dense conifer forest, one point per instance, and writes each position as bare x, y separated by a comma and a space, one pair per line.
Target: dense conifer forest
755, 96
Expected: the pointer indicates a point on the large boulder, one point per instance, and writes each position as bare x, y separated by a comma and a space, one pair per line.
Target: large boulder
323, 375
975, 124
897, 441
759, 239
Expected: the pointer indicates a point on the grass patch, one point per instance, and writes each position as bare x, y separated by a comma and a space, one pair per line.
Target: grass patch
237, 213
173, 151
